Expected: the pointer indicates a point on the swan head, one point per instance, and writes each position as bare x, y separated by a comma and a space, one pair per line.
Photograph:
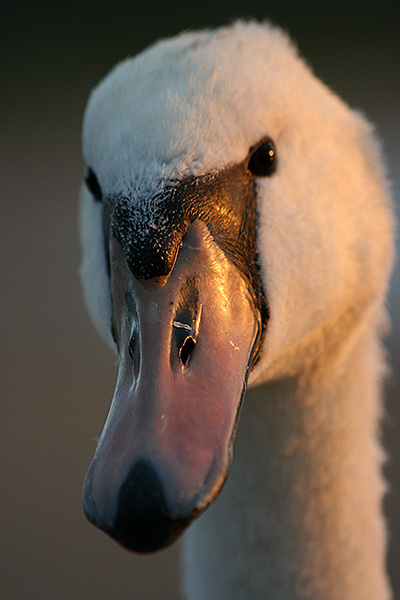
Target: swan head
226, 226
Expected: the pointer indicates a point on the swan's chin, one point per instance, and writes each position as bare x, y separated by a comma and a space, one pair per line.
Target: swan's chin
186, 344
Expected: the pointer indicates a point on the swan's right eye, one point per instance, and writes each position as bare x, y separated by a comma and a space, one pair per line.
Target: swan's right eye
93, 185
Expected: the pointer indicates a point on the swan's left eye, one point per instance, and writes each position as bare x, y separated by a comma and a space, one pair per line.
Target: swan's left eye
93, 184
262, 159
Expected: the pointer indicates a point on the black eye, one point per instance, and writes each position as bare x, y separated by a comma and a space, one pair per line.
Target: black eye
262, 159
93, 185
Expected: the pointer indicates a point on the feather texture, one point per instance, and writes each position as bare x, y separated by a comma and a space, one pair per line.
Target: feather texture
300, 517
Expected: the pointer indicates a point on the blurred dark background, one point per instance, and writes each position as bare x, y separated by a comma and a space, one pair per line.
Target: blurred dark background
56, 376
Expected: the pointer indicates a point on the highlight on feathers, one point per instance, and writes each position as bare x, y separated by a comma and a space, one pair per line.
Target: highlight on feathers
237, 233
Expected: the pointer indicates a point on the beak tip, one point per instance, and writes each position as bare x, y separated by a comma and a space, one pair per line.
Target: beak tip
142, 522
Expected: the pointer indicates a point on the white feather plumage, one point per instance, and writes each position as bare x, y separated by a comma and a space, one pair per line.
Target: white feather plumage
197, 103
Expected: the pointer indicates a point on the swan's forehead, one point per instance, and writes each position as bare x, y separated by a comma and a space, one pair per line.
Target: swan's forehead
189, 105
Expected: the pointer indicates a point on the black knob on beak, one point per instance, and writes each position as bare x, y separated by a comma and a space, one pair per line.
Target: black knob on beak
143, 522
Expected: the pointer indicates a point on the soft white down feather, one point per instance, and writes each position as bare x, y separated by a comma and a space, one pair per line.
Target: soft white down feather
300, 516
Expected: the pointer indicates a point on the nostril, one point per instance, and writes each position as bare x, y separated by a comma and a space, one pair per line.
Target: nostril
186, 350
186, 323
133, 350
131, 347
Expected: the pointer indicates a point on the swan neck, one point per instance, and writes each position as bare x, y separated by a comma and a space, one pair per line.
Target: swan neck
300, 517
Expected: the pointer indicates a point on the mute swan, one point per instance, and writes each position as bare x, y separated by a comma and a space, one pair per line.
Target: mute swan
235, 225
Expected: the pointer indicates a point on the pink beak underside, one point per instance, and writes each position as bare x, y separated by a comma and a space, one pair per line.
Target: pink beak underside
179, 389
